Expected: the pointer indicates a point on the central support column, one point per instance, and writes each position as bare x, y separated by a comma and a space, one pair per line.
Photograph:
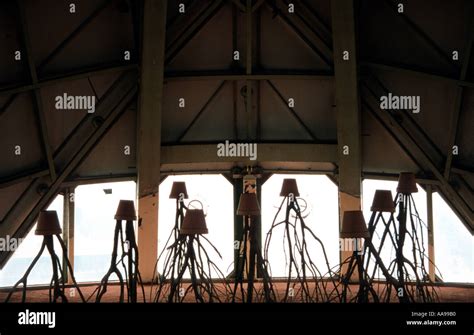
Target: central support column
149, 133
347, 108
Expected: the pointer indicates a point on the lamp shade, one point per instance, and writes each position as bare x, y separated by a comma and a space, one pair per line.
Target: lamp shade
289, 186
126, 211
194, 223
407, 183
353, 225
178, 188
48, 224
383, 202
248, 205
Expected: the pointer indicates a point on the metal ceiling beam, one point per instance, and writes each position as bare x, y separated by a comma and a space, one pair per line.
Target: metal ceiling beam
425, 143
7, 104
453, 130
171, 22
20, 218
257, 5
458, 104
433, 153
401, 135
73, 141
73, 34
329, 173
412, 127
420, 33
23, 176
415, 72
230, 75
201, 111
307, 21
369, 108
98, 179
292, 112
461, 171
41, 120
460, 178
395, 176
83, 74
348, 115
112, 98
324, 56
239, 5
173, 49
225, 172
316, 17
266, 152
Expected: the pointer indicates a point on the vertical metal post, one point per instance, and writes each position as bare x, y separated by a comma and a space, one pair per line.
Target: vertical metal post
238, 222
68, 230
347, 108
149, 132
431, 250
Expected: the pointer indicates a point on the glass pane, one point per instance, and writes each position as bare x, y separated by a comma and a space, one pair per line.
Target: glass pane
321, 216
388, 252
27, 250
454, 245
94, 227
216, 194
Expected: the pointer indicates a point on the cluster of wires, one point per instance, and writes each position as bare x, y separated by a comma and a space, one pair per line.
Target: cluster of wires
305, 281
403, 239
188, 255
57, 286
131, 275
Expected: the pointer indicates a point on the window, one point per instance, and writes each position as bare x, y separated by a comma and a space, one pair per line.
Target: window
27, 251
94, 227
216, 194
321, 216
454, 245
388, 252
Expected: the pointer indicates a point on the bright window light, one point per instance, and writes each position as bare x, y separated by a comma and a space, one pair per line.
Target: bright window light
454, 245
94, 227
28, 249
216, 194
321, 197
388, 252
